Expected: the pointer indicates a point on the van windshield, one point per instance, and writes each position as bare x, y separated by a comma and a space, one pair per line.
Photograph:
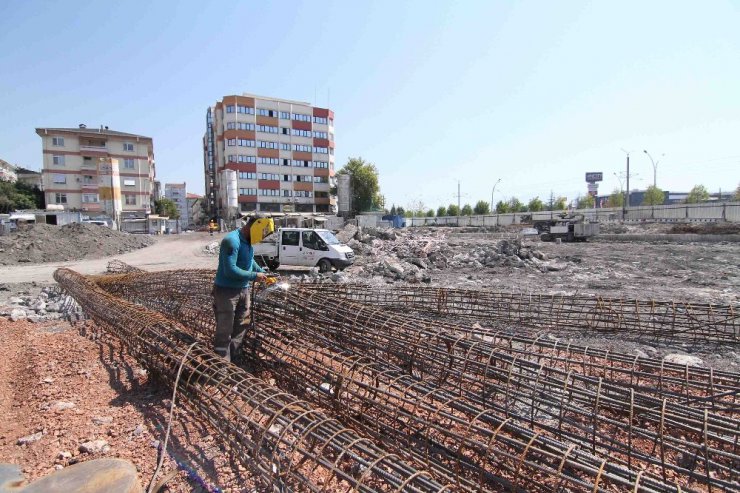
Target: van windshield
328, 237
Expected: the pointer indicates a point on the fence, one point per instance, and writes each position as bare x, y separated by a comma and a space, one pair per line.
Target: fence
709, 212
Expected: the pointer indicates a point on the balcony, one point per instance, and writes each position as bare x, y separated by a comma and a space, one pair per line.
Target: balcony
93, 150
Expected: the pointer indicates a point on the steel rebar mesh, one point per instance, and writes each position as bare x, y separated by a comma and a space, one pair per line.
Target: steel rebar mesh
581, 423
631, 318
287, 444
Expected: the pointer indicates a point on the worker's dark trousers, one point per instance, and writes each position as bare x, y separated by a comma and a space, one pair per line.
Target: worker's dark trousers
231, 306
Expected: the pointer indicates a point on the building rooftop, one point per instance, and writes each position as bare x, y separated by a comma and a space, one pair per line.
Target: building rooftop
246, 94
91, 132
194, 196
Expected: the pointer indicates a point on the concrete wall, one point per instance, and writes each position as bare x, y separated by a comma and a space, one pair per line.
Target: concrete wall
708, 212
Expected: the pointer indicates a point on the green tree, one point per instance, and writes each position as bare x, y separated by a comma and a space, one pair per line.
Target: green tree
560, 204
697, 194
393, 210
535, 205
15, 196
515, 205
400, 211
653, 196
502, 207
166, 207
737, 194
467, 210
482, 207
430, 213
453, 210
616, 199
586, 202
364, 184
441, 211
408, 213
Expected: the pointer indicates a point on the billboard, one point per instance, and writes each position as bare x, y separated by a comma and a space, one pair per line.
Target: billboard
593, 177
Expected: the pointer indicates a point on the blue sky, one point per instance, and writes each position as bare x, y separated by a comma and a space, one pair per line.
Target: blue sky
532, 93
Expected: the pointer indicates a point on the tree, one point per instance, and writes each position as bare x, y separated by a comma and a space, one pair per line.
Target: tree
467, 210
166, 207
482, 207
400, 211
364, 184
417, 207
430, 213
393, 210
560, 204
586, 202
616, 199
697, 194
535, 205
15, 196
502, 207
441, 211
515, 205
653, 196
737, 194
453, 210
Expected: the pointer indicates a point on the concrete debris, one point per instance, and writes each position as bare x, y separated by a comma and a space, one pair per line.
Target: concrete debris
29, 439
17, 314
94, 447
40, 308
60, 406
683, 359
102, 420
213, 248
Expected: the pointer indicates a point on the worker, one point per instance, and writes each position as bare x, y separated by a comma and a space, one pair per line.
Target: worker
236, 271
212, 226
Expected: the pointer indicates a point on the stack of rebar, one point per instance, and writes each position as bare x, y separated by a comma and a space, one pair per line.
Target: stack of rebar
480, 409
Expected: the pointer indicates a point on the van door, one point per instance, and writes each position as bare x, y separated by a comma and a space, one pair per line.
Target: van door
290, 248
312, 251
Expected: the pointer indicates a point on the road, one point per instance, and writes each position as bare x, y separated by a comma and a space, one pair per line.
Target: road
169, 252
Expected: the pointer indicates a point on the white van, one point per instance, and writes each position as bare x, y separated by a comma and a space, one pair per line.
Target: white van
303, 247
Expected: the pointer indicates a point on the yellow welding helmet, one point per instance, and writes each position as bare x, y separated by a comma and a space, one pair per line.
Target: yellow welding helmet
260, 228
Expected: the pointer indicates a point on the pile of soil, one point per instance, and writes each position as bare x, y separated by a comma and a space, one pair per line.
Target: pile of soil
76, 241
706, 228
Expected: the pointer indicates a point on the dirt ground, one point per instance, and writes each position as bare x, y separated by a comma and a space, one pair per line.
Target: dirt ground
46, 367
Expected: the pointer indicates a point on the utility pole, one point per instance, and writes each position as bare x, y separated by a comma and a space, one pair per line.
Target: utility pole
655, 168
627, 198
458, 197
493, 190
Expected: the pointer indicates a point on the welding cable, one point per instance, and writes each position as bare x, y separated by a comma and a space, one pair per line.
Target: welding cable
163, 452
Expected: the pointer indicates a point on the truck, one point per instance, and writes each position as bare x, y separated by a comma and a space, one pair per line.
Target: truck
307, 247
568, 227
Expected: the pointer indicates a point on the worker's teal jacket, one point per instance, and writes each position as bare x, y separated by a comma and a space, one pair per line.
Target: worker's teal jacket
236, 265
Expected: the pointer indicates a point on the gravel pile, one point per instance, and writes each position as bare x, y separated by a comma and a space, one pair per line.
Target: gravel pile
76, 241
46, 305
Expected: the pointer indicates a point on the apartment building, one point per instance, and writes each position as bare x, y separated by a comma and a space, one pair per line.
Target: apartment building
78, 167
277, 154
177, 192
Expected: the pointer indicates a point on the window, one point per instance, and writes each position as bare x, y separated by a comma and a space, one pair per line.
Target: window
246, 175
128, 163
266, 144
60, 198
129, 199
287, 177
268, 160
58, 160
129, 183
88, 180
301, 118
320, 135
128, 146
284, 131
57, 141
301, 133
301, 148
269, 176
267, 129
311, 240
321, 150
302, 193
239, 126
230, 142
321, 164
242, 158
302, 164
230, 109
290, 238
321, 179
246, 110
322, 195
284, 146
319, 119
263, 112
59, 178
247, 191
287, 193
89, 198
285, 115
286, 162
269, 192
244, 143
302, 178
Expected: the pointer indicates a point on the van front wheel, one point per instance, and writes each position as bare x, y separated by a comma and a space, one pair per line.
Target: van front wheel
324, 265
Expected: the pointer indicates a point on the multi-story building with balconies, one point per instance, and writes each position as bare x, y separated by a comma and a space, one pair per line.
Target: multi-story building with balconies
77, 169
273, 155
177, 192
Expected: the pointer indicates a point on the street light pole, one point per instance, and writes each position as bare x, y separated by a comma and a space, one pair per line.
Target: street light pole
655, 168
627, 198
493, 190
